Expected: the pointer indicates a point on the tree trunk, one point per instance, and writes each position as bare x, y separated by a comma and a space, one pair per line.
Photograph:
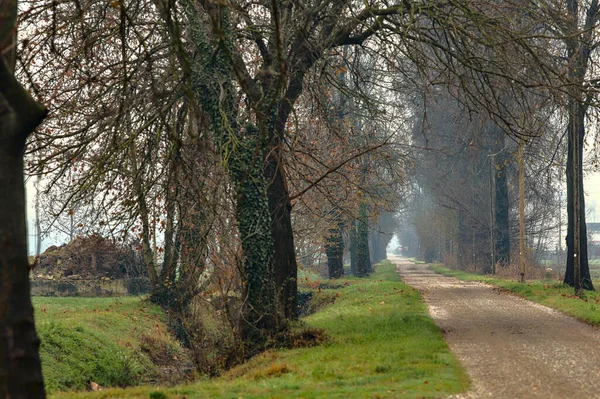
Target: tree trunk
586, 280
379, 242
20, 373
38, 224
284, 257
140, 194
522, 249
254, 221
363, 261
353, 248
20, 368
374, 247
463, 239
501, 205
334, 247
171, 237
194, 247
172, 194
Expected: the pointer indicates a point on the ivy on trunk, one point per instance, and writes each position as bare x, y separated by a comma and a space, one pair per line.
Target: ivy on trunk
363, 261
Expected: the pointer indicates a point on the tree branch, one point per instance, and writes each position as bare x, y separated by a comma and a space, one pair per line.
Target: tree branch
335, 168
28, 113
343, 36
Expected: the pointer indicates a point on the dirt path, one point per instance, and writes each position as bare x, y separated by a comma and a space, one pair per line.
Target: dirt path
511, 348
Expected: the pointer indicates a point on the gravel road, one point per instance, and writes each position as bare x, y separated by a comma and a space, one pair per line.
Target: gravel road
511, 348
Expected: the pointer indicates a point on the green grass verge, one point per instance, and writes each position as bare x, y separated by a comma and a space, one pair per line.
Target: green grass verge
382, 344
546, 292
99, 339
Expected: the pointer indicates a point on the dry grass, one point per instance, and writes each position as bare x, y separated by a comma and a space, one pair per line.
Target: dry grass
511, 271
532, 271
271, 370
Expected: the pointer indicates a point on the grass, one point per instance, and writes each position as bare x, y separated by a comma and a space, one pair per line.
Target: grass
382, 344
98, 339
546, 292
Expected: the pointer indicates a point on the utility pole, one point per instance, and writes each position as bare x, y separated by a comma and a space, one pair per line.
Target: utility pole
521, 211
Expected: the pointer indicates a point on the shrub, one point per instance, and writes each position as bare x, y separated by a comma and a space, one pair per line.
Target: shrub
138, 286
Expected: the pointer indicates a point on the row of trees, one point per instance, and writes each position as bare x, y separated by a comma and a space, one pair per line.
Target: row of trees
467, 211
549, 120
224, 134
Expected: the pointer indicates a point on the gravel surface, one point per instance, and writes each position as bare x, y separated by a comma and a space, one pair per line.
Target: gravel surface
511, 348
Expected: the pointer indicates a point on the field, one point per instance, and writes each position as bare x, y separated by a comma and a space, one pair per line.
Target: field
381, 343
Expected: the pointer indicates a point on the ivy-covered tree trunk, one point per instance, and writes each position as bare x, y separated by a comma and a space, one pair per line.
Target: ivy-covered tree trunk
334, 247
254, 221
20, 367
353, 248
363, 259
373, 246
242, 152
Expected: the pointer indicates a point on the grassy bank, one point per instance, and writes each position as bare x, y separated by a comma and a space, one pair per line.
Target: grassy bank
381, 344
109, 341
546, 292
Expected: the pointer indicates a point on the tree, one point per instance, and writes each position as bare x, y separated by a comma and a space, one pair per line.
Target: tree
242, 150
20, 114
579, 45
454, 203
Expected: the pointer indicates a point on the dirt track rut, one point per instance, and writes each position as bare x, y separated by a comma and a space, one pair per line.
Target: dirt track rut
511, 348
